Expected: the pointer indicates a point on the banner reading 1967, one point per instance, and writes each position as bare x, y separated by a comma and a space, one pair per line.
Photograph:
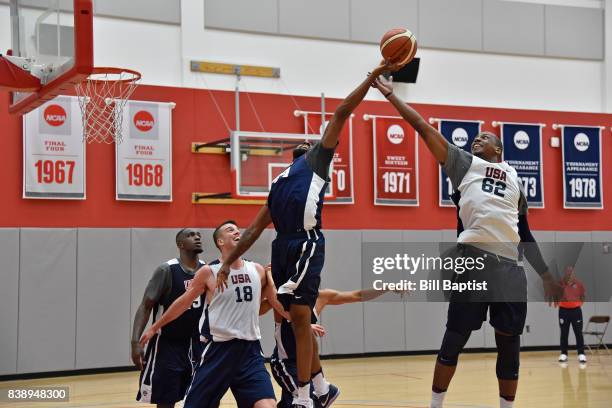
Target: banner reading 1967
523, 151
461, 133
144, 157
54, 151
582, 167
396, 162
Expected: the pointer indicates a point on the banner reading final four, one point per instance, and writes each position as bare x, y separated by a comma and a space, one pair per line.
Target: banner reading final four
461, 133
54, 151
523, 151
144, 158
342, 177
395, 151
582, 167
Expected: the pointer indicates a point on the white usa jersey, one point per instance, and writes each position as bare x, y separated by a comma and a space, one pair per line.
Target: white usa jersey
490, 202
234, 313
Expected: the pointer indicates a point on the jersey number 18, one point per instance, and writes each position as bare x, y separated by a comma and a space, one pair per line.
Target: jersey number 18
247, 294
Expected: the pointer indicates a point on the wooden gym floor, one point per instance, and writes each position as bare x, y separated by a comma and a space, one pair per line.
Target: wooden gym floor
392, 382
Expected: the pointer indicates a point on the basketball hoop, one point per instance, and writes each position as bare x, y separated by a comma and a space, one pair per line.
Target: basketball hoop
102, 97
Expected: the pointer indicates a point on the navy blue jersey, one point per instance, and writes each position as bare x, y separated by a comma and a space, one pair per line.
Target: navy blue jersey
285, 348
186, 325
296, 195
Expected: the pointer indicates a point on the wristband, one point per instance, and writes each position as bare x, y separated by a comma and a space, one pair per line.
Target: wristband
388, 95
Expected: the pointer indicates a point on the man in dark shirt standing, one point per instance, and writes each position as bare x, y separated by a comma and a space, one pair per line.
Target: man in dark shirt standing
167, 364
298, 252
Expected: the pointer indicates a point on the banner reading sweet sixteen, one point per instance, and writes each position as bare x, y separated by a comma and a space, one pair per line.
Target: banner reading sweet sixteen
523, 151
144, 158
582, 167
342, 177
395, 151
54, 151
461, 133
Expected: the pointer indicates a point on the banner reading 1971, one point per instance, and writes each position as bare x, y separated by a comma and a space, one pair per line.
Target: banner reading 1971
461, 133
396, 163
523, 151
144, 157
582, 186
54, 151
342, 177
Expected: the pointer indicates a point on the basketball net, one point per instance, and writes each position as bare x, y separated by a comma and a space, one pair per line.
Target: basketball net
102, 98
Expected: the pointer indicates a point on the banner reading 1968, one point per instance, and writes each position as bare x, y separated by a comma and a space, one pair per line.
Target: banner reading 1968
461, 133
582, 167
523, 151
54, 151
395, 162
144, 157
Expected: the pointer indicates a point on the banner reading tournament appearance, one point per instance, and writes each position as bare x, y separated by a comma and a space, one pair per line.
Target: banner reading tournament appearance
396, 162
144, 157
342, 178
523, 151
582, 182
54, 151
461, 133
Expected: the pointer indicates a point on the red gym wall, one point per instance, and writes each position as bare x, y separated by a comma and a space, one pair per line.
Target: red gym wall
195, 118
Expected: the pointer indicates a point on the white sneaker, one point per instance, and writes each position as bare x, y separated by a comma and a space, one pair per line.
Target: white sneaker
299, 403
563, 358
582, 358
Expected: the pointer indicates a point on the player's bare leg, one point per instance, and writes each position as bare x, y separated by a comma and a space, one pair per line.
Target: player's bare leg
446, 364
300, 323
443, 374
507, 367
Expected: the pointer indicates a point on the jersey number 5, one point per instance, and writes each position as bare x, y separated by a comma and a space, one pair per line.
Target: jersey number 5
247, 294
496, 187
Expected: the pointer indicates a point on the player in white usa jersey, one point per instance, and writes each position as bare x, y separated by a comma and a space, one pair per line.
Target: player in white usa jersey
492, 218
232, 357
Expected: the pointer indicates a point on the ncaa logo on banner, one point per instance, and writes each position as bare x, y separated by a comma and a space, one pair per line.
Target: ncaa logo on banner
581, 142
521, 140
459, 137
395, 134
53, 119
143, 123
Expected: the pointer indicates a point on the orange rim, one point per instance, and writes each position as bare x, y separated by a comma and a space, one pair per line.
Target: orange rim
114, 71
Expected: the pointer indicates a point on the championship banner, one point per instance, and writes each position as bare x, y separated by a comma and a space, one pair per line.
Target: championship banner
523, 151
144, 158
582, 162
461, 133
396, 161
342, 177
54, 151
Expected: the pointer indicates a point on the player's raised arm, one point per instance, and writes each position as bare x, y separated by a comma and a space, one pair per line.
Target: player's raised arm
268, 291
201, 282
156, 288
436, 143
248, 237
348, 105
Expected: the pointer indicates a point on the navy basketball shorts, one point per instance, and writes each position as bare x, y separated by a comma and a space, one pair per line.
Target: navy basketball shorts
237, 365
505, 300
285, 375
297, 262
169, 365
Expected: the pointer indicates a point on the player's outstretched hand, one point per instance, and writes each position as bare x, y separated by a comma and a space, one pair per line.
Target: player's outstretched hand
146, 336
384, 85
318, 330
137, 355
552, 289
222, 277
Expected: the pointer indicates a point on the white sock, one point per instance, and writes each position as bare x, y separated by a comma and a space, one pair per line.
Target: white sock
437, 398
504, 403
304, 392
321, 386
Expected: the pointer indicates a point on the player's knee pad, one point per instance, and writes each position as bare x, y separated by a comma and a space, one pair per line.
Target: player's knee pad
452, 345
508, 351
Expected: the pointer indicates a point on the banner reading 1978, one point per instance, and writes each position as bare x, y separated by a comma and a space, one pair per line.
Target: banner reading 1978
461, 133
144, 157
523, 151
582, 167
396, 162
54, 151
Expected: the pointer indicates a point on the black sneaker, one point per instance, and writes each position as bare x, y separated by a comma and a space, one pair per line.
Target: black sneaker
329, 398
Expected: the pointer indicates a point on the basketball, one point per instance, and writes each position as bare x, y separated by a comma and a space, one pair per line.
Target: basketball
398, 46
